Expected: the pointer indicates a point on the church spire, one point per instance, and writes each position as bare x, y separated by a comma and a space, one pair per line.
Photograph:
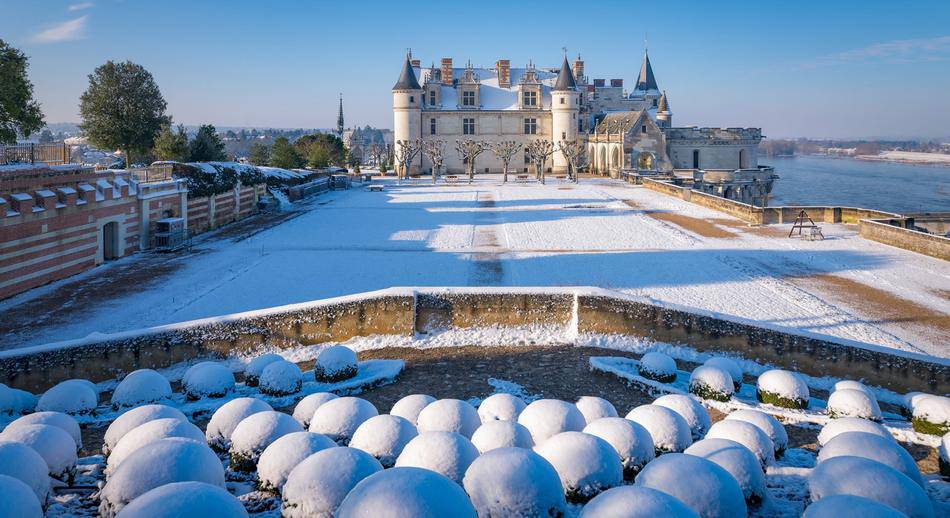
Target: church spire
646, 81
565, 78
339, 118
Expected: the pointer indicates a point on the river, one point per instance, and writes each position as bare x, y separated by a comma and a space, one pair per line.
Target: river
810, 180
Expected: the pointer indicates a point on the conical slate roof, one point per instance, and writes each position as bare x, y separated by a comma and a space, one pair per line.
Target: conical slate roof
407, 79
646, 81
664, 105
565, 78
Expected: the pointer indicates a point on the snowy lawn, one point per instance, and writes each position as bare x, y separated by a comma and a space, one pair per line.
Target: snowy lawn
599, 233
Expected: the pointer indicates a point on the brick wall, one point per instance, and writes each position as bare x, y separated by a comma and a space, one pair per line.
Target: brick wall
211, 212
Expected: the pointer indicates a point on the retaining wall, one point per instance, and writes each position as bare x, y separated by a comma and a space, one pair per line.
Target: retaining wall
908, 239
404, 311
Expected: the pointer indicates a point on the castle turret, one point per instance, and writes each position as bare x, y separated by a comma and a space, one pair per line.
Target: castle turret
664, 117
407, 107
564, 110
646, 83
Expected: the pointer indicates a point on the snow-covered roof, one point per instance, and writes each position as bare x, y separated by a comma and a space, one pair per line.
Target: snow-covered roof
492, 95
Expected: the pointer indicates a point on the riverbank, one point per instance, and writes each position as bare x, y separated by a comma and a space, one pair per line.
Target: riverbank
908, 157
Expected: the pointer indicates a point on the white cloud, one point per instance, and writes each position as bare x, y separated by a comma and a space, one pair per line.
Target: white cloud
80, 6
898, 51
66, 31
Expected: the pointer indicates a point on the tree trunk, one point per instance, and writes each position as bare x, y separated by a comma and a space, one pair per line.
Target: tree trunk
505, 174
435, 173
128, 159
471, 172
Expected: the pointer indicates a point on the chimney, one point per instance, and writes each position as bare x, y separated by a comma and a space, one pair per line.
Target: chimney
447, 71
503, 66
616, 83
598, 83
415, 63
578, 69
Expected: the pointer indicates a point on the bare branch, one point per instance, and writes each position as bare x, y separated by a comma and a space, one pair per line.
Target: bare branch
539, 151
504, 150
468, 150
435, 151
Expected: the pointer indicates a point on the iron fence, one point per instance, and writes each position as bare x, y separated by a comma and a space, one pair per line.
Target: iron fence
51, 154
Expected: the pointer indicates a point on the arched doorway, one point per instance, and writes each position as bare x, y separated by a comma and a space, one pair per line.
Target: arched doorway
615, 159
110, 241
602, 159
646, 161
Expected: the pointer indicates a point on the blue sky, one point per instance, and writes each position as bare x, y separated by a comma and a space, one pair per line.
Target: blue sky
818, 69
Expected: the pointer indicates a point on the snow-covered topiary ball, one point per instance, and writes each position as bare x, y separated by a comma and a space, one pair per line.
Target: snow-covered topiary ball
689, 409
943, 455
180, 499
855, 385
630, 440
18, 500
169, 460
52, 443
701, 484
23, 463
148, 433
500, 407
729, 365
133, 418
284, 454
514, 482
384, 437
635, 502
304, 410
547, 417
70, 397
141, 387
586, 464
57, 419
594, 408
256, 432
318, 485
339, 418
406, 493
501, 434
909, 400
254, 368
207, 379
847, 505
225, 420
748, 435
280, 378
657, 367
874, 447
768, 424
15, 401
710, 382
449, 415
782, 388
738, 461
870, 479
410, 406
446, 453
670, 432
932, 415
836, 427
853, 403
335, 363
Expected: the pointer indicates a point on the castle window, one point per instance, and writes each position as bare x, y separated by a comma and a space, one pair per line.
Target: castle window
643, 129
527, 158
468, 126
563, 135
562, 100
431, 97
432, 126
412, 99
531, 126
695, 159
654, 103
468, 98
531, 99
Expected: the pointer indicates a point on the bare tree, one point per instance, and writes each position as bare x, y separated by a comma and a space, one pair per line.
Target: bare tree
539, 151
435, 151
405, 153
468, 151
505, 150
576, 155
377, 153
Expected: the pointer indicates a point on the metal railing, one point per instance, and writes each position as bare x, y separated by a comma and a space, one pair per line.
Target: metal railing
49, 154
152, 173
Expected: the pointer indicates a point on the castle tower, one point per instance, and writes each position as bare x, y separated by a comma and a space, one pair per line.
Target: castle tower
664, 117
646, 83
407, 108
564, 110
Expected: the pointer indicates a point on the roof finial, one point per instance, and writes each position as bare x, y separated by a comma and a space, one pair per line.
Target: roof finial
564, 50
646, 42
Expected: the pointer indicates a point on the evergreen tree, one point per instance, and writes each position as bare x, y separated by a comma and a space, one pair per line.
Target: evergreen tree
284, 155
171, 145
329, 149
46, 136
260, 154
122, 108
207, 145
19, 112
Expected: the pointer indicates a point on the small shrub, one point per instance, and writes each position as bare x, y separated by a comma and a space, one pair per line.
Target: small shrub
774, 399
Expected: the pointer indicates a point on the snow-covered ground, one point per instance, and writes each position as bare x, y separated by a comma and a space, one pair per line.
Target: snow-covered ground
597, 233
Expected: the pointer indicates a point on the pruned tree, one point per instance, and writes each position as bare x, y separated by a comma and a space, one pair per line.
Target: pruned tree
505, 150
539, 151
435, 151
576, 155
405, 153
468, 151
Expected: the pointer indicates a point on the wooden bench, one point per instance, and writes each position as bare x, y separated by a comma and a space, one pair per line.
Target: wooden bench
522, 178
452, 179
374, 188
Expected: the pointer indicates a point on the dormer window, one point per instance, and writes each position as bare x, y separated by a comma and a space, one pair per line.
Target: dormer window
432, 98
468, 98
530, 99
643, 129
